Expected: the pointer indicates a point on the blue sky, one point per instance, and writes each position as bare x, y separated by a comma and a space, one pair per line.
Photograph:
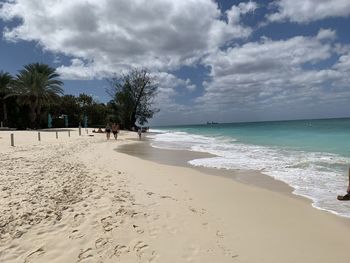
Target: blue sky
222, 61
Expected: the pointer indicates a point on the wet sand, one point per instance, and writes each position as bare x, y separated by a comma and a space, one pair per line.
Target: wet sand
144, 150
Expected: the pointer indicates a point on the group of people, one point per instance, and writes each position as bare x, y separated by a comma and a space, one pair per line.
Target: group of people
98, 131
114, 128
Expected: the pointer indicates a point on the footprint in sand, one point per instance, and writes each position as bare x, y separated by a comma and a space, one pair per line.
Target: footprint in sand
76, 234
108, 223
101, 243
143, 251
85, 254
79, 219
117, 198
138, 229
154, 256
167, 197
34, 255
139, 248
121, 211
126, 212
120, 249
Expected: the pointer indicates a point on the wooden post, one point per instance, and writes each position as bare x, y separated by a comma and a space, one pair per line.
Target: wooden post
56, 135
79, 130
68, 133
39, 139
12, 139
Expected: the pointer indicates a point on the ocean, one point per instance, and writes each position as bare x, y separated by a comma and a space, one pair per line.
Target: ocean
312, 156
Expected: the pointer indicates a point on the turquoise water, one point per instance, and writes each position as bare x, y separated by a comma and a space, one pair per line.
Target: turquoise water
329, 135
310, 155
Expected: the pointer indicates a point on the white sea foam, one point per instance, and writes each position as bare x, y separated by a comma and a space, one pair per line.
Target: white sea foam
158, 131
318, 176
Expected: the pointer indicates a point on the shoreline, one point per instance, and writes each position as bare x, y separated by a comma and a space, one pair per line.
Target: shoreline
144, 150
79, 200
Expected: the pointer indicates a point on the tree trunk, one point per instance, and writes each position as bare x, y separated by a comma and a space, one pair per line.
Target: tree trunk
5, 111
32, 115
139, 96
38, 115
133, 119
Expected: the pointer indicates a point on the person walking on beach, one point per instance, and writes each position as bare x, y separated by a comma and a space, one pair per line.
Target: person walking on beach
139, 133
115, 130
347, 196
108, 131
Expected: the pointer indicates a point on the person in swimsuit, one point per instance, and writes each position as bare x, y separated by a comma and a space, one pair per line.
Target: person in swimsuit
108, 131
115, 130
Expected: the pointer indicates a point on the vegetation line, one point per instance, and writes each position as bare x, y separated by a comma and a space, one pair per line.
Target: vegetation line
34, 99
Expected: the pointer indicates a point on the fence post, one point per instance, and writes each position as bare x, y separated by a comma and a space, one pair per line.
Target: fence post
12, 139
68, 133
39, 139
56, 135
79, 130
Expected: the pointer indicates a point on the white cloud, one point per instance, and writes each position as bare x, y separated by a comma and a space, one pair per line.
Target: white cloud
304, 11
324, 34
274, 74
268, 55
343, 63
343, 67
169, 87
235, 12
247, 7
105, 36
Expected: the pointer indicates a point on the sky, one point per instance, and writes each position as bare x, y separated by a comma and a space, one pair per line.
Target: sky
222, 61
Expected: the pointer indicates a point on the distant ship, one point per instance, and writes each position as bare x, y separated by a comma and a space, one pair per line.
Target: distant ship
211, 122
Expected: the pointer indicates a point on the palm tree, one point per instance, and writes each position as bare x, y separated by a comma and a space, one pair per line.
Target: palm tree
5, 79
37, 85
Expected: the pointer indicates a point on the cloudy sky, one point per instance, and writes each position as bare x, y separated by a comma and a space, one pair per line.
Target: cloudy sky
223, 61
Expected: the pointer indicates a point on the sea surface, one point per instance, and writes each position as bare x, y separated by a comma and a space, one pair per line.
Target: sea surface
312, 156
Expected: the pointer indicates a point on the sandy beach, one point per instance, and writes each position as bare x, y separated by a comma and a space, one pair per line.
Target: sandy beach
79, 199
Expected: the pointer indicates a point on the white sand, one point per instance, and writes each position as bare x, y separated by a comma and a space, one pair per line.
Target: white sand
77, 200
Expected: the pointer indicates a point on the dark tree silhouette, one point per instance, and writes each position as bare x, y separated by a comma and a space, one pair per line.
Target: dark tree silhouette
36, 85
133, 96
5, 80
